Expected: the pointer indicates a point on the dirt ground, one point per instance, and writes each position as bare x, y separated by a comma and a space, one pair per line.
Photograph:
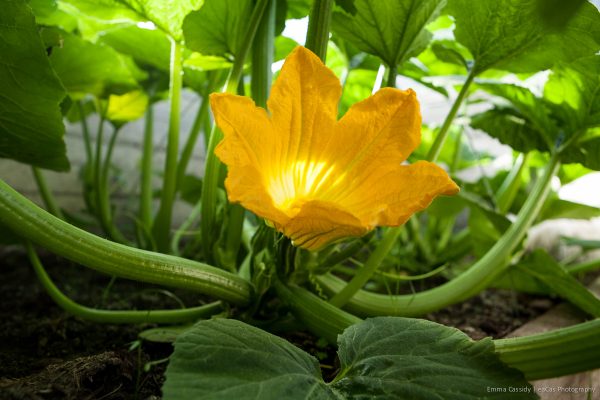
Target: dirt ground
47, 354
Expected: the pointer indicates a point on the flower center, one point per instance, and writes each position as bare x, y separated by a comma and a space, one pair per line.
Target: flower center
299, 182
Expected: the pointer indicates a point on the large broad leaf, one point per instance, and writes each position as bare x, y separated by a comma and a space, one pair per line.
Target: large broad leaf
555, 208
383, 358
511, 128
512, 34
218, 28
405, 358
586, 152
545, 269
168, 15
393, 30
227, 359
31, 128
88, 68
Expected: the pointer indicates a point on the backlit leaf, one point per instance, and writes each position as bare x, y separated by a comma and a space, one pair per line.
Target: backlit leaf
218, 28
31, 127
393, 30
511, 34
88, 68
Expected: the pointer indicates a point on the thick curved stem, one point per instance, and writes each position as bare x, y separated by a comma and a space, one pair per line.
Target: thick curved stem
469, 283
32, 223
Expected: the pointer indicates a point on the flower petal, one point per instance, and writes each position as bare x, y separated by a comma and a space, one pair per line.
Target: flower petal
383, 129
246, 149
392, 195
303, 105
319, 223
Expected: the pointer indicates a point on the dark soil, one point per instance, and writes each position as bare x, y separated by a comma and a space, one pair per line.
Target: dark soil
47, 354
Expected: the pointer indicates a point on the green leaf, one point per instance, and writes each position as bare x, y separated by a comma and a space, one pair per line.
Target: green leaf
218, 28
283, 47
405, 358
529, 106
585, 244
576, 86
555, 208
88, 68
297, 8
382, 358
511, 128
31, 127
447, 51
227, 359
126, 107
201, 62
147, 47
168, 15
393, 30
358, 86
545, 269
511, 34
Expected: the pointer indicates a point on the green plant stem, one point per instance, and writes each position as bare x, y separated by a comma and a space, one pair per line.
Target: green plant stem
189, 221
212, 168
86, 132
319, 20
365, 273
583, 267
162, 224
550, 354
560, 352
391, 78
438, 143
34, 224
469, 283
117, 316
101, 170
103, 210
46, 193
188, 150
88, 177
145, 212
511, 184
317, 315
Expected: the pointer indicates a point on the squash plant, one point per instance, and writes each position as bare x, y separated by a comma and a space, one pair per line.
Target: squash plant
318, 200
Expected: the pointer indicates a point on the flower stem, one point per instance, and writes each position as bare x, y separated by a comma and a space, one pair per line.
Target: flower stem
212, 168
560, 352
46, 194
162, 224
33, 223
318, 27
436, 147
469, 283
117, 316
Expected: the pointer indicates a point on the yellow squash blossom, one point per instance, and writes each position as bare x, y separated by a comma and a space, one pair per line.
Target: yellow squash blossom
317, 179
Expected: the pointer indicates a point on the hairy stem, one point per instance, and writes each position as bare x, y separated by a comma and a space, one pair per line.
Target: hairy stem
34, 224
